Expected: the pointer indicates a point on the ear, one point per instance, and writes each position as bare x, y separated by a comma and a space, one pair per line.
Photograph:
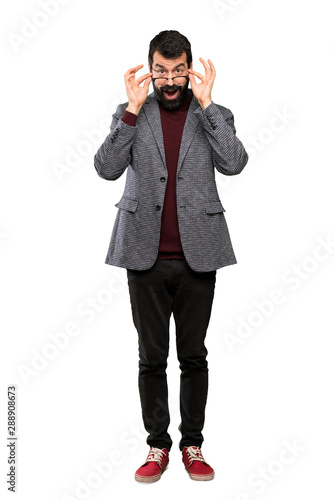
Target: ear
191, 65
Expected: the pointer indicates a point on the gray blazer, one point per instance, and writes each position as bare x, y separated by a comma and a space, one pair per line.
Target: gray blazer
208, 143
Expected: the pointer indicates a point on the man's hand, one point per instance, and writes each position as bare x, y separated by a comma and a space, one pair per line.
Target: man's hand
202, 91
137, 95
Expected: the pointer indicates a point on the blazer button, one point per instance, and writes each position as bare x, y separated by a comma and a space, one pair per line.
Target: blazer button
162, 179
158, 207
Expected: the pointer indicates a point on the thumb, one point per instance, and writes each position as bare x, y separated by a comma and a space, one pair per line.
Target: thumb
191, 78
147, 82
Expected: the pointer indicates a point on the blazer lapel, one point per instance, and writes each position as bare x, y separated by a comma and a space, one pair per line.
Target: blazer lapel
190, 128
152, 112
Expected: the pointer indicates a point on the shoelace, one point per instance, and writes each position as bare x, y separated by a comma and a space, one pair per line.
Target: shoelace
194, 453
155, 455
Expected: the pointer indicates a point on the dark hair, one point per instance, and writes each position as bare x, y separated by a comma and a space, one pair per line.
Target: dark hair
171, 44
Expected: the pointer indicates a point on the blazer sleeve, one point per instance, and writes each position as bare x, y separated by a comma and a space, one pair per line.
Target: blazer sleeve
114, 155
229, 154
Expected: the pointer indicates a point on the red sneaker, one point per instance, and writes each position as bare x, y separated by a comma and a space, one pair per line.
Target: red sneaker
195, 464
156, 463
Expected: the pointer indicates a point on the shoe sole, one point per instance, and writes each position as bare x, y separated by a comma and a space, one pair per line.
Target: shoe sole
198, 477
150, 479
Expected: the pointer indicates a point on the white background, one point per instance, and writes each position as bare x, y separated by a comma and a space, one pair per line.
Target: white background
270, 379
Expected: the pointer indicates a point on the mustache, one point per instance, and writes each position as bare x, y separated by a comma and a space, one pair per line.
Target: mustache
170, 89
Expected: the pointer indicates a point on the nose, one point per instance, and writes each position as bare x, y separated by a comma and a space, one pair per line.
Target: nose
170, 82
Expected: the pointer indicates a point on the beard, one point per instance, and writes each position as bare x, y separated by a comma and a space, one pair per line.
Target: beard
173, 104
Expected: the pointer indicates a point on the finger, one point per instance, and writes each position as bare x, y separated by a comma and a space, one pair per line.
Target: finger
212, 67
133, 70
211, 63
205, 64
199, 75
130, 76
193, 81
147, 82
136, 68
142, 78
192, 78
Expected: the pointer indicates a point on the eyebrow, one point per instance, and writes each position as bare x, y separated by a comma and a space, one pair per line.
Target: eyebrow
160, 65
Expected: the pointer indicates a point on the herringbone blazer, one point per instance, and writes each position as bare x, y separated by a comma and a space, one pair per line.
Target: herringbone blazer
209, 144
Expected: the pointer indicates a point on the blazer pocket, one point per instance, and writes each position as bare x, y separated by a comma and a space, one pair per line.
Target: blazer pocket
214, 207
127, 204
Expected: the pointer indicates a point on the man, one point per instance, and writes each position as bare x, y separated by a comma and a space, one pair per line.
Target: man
170, 232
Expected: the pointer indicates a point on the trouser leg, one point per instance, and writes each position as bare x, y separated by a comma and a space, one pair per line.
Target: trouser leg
191, 306
151, 310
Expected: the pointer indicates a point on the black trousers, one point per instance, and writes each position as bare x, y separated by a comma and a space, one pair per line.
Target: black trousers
171, 286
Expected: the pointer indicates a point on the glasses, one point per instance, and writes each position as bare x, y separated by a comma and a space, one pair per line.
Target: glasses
178, 80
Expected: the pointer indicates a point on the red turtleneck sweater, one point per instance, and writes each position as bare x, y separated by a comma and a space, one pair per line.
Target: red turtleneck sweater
172, 123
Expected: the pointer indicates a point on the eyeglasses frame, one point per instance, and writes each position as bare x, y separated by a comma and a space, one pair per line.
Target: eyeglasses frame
170, 78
